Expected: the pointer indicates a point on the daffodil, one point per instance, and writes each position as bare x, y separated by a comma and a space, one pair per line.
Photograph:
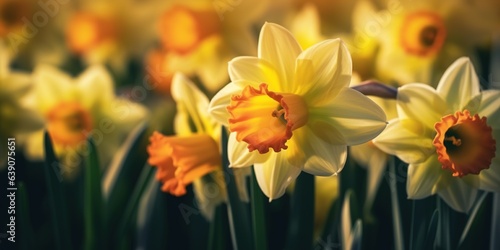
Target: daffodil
109, 32
449, 136
290, 110
199, 37
77, 108
16, 116
418, 40
193, 154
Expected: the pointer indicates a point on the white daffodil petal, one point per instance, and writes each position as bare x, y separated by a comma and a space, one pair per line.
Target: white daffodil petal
253, 69
95, 78
405, 139
456, 192
274, 175
413, 98
240, 156
489, 179
192, 101
217, 107
459, 84
422, 178
331, 67
489, 106
278, 46
355, 116
51, 87
316, 155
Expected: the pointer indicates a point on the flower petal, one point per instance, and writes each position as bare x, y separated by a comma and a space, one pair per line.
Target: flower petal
95, 86
406, 139
357, 118
329, 71
278, 46
459, 84
421, 103
217, 107
240, 156
253, 69
274, 175
191, 101
422, 178
316, 155
51, 87
489, 179
456, 192
489, 106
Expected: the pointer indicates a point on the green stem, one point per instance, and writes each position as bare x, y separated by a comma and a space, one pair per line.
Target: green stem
258, 215
398, 229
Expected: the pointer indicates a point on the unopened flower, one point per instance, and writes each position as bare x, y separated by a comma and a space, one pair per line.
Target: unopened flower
449, 137
290, 110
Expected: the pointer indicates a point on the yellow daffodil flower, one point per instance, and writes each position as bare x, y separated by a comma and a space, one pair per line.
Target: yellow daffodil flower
193, 154
448, 136
417, 41
199, 37
17, 118
77, 108
290, 110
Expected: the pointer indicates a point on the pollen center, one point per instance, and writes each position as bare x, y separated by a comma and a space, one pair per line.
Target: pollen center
464, 143
265, 119
68, 123
182, 29
423, 33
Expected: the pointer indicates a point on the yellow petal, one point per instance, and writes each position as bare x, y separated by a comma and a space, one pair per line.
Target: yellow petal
331, 67
217, 107
278, 46
254, 69
459, 84
274, 175
421, 103
95, 86
457, 193
357, 118
422, 178
51, 87
406, 140
240, 156
489, 106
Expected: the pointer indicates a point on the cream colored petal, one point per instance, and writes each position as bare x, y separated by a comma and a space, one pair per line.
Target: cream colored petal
489, 106
490, 178
459, 84
16, 84
253, 69
240, 156
274, 175
456, 192
315, 155
96, 88
51, 87
278, 46
217, 107
322, 71
357, 118
124, 114
406, 139
423, 177
191, 101
421, 103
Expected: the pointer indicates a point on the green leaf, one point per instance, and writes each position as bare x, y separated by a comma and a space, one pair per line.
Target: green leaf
396, 214
476, 234
217, 234
301, 227
93, 203
431, 231
122, 175
258, 215
55, 189
25, 229
239, 219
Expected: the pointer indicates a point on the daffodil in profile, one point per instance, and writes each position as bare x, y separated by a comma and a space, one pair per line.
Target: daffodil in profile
449, 136
192, 156
290, 110
77, 108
